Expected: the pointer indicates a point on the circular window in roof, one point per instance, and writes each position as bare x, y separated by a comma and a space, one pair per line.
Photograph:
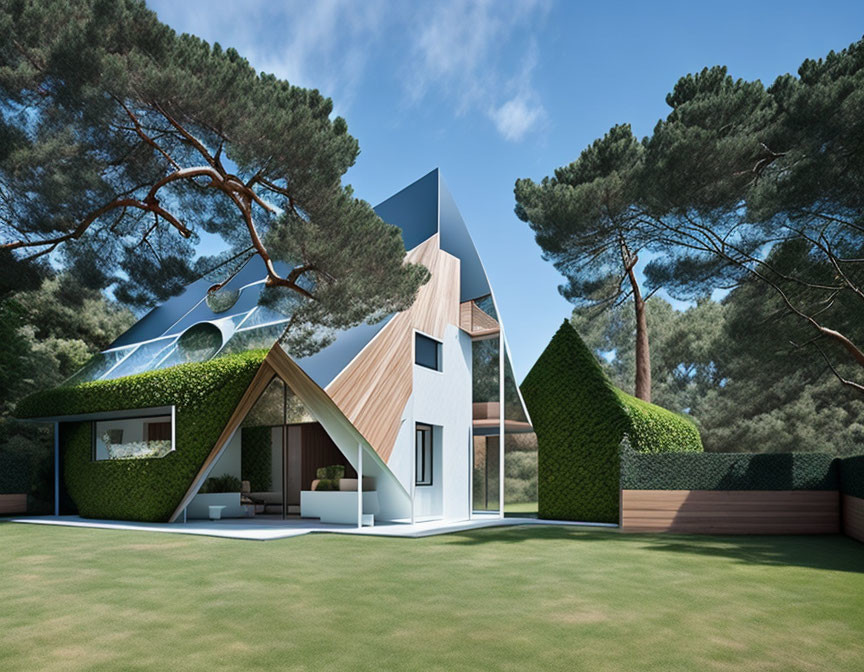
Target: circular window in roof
222, 299
199, 342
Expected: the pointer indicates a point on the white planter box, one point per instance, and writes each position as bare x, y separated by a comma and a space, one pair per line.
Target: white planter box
200, 505
333, 506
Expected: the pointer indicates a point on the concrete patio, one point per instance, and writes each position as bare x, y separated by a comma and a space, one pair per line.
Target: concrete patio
268, 528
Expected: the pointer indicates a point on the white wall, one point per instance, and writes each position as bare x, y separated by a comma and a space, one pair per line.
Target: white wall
229, 460
401, 461
428, 499
441, 399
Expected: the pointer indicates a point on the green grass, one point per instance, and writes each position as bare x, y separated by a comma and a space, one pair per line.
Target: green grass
520, 507
530, 598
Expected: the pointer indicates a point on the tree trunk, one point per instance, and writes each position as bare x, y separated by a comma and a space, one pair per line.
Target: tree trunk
643, 350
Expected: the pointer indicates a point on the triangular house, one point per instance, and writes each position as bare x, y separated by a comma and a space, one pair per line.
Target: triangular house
412, 402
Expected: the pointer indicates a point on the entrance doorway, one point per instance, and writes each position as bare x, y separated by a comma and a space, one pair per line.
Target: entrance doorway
306, 447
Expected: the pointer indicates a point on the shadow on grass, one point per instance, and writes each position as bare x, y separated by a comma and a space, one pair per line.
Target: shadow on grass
832, 552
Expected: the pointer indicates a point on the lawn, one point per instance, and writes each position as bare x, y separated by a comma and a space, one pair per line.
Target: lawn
520, 507
530, 598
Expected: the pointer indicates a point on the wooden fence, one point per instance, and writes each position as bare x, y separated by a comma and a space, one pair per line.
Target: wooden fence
853, 517
12, 504
734, 511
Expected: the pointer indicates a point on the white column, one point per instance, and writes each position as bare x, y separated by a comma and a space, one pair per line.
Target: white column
471, 468
413, 480
56, 468
500, 422
360, 485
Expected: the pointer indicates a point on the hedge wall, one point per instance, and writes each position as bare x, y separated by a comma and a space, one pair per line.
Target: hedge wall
204, 394
580, 419
730, 471
852, 476
15, 474
654, 429
256, 458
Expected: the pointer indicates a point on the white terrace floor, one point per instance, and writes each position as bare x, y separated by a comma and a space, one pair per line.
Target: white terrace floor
266, 528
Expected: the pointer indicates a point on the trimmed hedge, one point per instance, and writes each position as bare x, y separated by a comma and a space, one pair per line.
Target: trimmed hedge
852, 476
730, 471
256, 458
15, 474
654, 429
580, 419
204, 394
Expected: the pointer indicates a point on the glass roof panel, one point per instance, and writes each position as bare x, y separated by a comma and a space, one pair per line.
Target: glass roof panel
253, 339
145, 357
98, 366
203, 313
262, 315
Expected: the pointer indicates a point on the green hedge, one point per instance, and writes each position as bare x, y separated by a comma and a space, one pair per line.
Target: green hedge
654, 429
204, 394
15, 473
852, 476
256, 458
730, 471
580, 419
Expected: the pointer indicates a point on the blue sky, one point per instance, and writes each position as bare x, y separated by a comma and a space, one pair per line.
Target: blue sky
493, 91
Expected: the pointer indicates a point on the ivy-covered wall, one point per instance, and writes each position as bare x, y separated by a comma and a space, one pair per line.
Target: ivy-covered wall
256, 457
654, 429
581, 419
730, 471
204, 394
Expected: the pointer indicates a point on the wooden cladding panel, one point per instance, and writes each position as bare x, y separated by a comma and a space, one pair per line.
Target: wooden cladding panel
373, 389
476, 321
731, 511
853, 517
319, 451
13, 504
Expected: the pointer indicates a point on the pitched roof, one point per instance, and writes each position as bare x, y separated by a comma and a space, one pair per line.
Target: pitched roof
421, 210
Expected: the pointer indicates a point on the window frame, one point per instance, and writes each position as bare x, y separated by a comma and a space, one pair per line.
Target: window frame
424, 455
439, 351
146, 420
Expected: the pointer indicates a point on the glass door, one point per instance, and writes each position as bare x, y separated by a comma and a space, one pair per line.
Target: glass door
485, 481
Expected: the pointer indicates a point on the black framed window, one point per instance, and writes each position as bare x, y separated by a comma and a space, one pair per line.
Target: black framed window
427, 352
423, 448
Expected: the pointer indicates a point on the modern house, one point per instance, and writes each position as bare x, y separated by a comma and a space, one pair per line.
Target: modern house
422, 404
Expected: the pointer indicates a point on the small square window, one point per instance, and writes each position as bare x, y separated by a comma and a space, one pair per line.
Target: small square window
427, 352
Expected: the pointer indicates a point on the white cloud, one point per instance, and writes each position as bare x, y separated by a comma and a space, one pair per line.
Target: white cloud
516, 117
464, 53
523, 111
323, 45
463, 50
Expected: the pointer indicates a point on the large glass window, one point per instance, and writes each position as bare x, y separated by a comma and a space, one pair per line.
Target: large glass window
427, 352
132, 438
486, 477
423, 463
